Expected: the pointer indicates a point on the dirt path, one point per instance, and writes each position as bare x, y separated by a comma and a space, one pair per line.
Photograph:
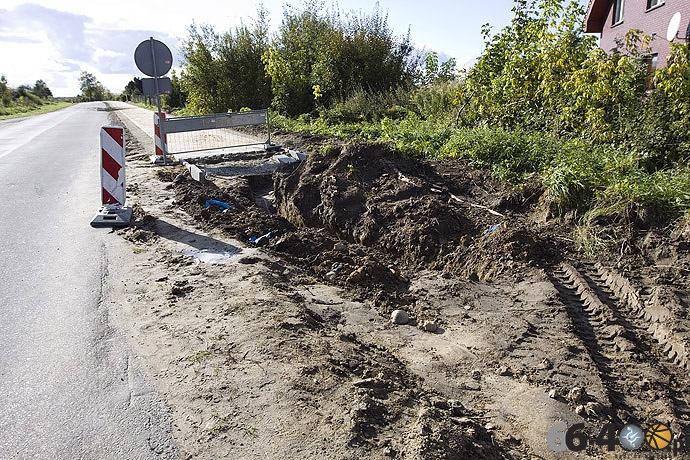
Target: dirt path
288, 351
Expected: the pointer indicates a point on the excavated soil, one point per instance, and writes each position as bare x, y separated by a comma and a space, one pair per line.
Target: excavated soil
284, 347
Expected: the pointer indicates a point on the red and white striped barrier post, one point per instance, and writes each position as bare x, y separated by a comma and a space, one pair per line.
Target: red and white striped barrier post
113, 211
161, 144
113, 165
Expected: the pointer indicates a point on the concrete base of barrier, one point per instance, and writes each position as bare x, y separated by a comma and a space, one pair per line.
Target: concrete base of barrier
159, 160
111, 216
284, 159
232, 165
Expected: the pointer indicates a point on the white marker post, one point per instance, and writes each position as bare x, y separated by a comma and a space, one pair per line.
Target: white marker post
113, 212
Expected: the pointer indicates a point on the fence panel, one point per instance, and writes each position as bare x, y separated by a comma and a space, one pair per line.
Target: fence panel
216, 132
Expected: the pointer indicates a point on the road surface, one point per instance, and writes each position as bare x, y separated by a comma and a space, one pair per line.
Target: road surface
70, 386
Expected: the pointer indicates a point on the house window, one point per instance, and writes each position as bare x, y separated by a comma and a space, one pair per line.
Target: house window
618, 6
653, 3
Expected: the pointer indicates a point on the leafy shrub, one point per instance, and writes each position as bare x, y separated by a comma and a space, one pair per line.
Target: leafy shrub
339, 56
513, 155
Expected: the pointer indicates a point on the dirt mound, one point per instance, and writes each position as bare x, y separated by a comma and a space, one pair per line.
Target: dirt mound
441, 215
368, 219
370, 196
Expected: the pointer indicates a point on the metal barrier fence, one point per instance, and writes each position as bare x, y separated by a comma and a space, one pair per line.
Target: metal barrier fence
215, 131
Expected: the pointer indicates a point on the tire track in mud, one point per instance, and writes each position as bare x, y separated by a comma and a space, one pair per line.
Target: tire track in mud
662, 321
659, 310
640, 377
589, 317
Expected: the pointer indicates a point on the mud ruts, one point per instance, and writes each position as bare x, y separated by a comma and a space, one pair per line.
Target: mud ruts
633, 335
657, 308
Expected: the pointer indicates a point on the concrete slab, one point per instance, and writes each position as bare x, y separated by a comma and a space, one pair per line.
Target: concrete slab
197, 173
284, 159
112, 217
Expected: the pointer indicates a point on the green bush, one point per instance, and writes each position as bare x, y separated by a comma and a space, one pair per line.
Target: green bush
319, 58
222, 71
513, 155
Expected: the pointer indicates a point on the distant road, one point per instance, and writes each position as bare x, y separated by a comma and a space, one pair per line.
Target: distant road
70, 387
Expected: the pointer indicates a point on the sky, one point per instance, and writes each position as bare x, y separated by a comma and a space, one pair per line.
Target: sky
55, 41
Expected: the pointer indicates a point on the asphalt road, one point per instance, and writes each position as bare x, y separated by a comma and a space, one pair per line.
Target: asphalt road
70, 386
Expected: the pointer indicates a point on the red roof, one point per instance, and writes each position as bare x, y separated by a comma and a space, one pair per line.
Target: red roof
596, 15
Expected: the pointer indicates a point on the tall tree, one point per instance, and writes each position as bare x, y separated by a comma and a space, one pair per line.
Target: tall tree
224, 71
133, 88
5, 92
91, 89
41, 90
202, 77
177, 98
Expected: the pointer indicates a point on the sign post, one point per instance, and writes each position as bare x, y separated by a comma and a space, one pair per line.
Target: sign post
113, 212
154, 59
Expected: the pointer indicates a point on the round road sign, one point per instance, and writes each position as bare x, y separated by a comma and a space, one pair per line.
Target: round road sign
144, 58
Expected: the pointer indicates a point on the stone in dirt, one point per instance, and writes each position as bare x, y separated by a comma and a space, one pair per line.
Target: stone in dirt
504, 371
357, 276
429, 326
400, 317
576, 395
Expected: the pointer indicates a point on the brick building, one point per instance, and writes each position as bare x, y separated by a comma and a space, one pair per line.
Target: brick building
614, 18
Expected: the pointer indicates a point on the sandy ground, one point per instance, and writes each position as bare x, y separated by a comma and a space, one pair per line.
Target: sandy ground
287, 351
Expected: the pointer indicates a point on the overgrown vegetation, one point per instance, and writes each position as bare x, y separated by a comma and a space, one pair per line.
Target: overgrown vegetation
224, 71
25, 99
543, 102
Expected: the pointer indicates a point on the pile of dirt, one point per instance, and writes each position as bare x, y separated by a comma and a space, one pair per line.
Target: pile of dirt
440, 215
368, 219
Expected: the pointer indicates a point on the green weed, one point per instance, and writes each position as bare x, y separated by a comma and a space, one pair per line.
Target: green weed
199, 356
249, 431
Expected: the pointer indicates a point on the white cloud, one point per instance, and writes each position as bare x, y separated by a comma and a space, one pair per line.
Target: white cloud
38, 42
54, 41
64, 31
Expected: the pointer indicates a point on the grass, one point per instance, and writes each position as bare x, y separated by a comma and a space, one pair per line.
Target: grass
249, 431
199, 356
19, 111
221, 427
143, 105
218, 429
576, 173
